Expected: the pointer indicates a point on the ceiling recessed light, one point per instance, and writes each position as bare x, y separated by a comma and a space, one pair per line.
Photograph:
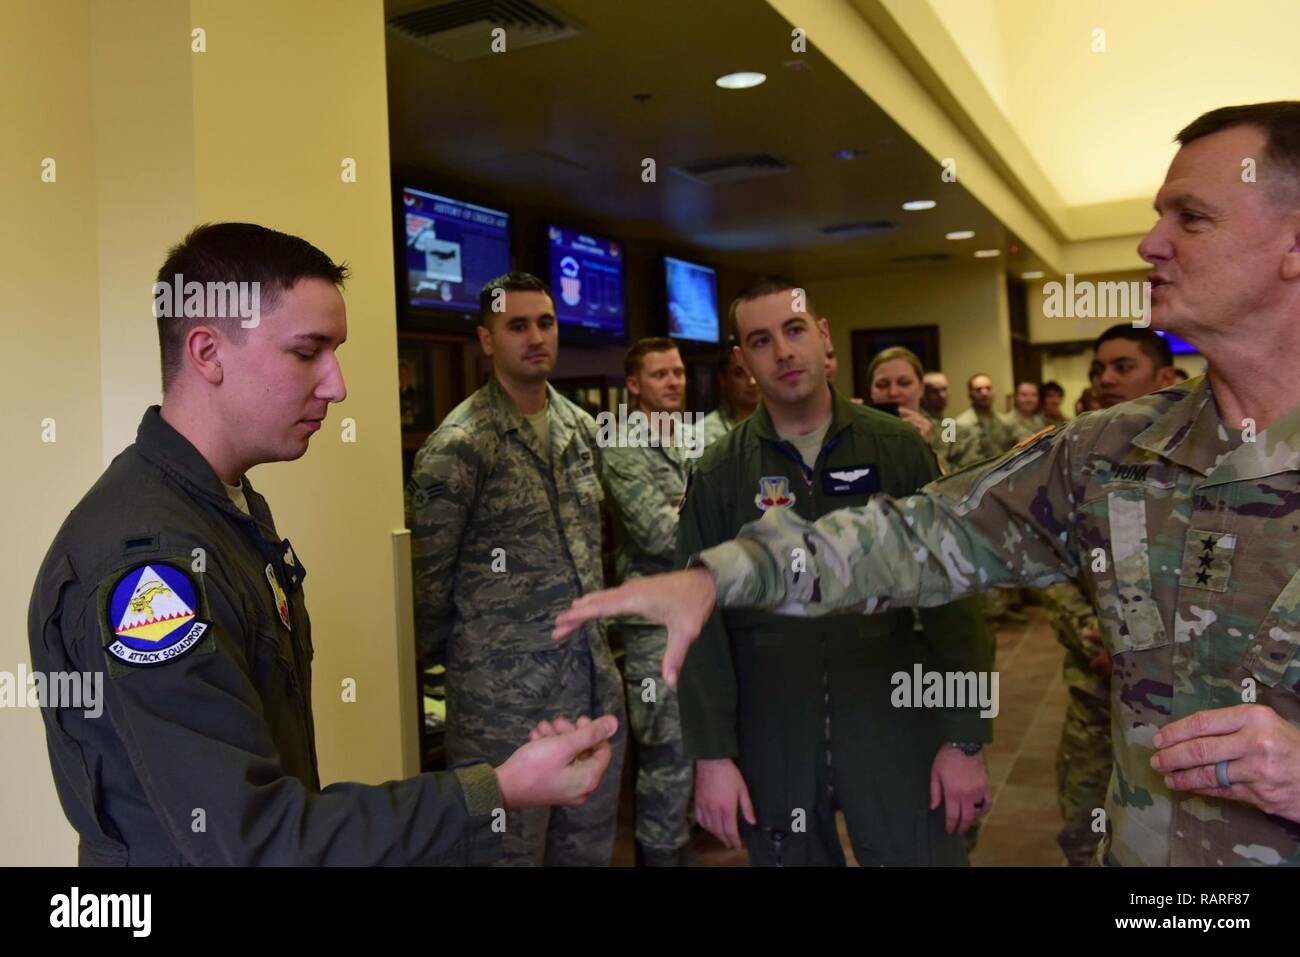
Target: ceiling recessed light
850, 154
740, 81
1036, 274
912, 205
987, 253
960, 234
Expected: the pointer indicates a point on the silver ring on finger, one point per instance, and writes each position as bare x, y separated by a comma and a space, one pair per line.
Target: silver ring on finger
1221, 774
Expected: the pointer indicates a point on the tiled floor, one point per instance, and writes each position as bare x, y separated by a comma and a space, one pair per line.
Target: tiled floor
1021, 828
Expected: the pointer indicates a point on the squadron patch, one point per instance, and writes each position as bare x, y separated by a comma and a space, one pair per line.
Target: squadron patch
774, 492
152, 616
277, 594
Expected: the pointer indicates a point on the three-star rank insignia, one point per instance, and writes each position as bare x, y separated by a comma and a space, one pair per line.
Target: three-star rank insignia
1207, 559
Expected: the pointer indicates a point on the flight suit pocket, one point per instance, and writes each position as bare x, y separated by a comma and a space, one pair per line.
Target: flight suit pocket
1273, 646
274, 664
1130, 619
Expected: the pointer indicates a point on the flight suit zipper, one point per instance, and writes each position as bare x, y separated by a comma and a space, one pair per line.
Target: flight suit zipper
809, 476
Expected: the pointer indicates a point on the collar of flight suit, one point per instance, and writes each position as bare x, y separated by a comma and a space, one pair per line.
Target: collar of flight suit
558, 415
170, 451
841, 419
1188, 434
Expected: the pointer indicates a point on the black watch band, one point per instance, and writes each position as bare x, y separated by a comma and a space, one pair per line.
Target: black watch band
968, 748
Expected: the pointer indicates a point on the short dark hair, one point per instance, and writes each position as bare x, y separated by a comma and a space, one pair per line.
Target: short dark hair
728, 354
766, 286
633, 357
1278, 120
1051, 385
1181, 373
507, 282
224, 253
1155, 346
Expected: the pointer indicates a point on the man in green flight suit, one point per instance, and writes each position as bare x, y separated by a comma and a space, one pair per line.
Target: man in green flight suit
788, 724
1178, 513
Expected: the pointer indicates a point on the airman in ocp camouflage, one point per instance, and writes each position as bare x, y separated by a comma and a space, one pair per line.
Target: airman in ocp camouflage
1083, 758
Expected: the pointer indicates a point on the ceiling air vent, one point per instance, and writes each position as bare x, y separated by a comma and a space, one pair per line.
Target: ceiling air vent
872, 227
733, 169
461, 30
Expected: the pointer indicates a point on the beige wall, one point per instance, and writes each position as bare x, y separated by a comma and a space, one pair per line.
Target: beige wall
49, 366
150, 139
967, 303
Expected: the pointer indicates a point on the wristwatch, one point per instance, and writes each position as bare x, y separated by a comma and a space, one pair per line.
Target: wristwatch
968, 748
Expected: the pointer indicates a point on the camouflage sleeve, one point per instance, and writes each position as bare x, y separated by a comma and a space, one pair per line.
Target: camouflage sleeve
646, 514
707, 692
439, 497
957, 638
1003, 522
1069, 612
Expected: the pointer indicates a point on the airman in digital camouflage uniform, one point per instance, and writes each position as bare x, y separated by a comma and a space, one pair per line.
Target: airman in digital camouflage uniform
1127, 363
645, 478
504, 504
1179, 513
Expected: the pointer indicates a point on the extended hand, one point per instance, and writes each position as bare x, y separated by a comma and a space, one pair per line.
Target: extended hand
561, 764
680, 600
1261, 747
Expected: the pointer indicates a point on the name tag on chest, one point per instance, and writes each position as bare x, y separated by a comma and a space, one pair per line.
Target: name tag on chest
851, 480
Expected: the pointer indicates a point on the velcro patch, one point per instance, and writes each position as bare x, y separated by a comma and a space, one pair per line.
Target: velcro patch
851, 480
1207, 559
152, 614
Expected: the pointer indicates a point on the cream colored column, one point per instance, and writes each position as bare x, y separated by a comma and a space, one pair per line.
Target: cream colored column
49, 365
287, 97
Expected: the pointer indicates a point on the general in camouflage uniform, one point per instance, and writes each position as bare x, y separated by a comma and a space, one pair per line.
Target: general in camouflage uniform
1199, 597
504, 536
645, 486
1083, 759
